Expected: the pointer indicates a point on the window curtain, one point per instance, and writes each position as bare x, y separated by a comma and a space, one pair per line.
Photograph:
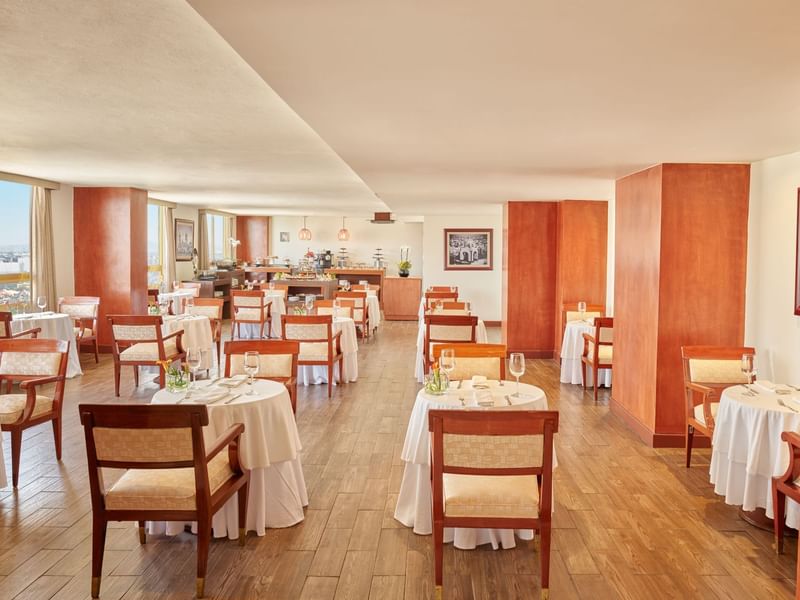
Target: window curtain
228, 234
202, 242
168, 245
43, 272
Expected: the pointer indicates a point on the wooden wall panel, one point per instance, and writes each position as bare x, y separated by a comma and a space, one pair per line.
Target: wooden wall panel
529, 273
582, 244
253, 233
110, 251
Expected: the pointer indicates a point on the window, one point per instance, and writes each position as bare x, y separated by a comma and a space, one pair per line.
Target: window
15, 246
216, 237
155, 246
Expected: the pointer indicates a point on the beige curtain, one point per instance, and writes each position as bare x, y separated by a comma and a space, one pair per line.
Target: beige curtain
228, 234
43, 273
168, 244
202, 242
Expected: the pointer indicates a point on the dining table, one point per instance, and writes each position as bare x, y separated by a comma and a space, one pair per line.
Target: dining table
571, 352
414, 504
54, 326
270, 448
196, 334
315, 374
176, 298
3, 479
481, 337
747, 450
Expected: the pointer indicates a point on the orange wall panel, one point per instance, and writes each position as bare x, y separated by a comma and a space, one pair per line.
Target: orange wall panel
253, 233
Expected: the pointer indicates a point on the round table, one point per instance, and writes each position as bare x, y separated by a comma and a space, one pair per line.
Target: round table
3, 480
196, 334
373, 309
54, 326
419, 366
319, 374
414, 508
249, 331
571, 351
747, 451
176, 297
270, 449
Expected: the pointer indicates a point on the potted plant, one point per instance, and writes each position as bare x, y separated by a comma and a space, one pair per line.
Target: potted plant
177, 378
404, 266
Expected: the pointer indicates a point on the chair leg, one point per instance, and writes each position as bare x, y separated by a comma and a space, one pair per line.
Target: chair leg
117, 369
57, 436
595, 372
779, 508
544, 548
330, 379
583, 374
162, 378
98, 547
438, 556
16, 450
243, 513
96, 350
203, 542
136, 376
142, 534
689, 441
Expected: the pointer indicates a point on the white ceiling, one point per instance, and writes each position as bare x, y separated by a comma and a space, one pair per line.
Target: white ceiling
147, 94
449, 105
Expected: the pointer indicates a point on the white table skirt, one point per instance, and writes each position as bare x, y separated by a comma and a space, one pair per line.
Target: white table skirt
250, 331
414, 503
747, 451
307, 375
54, 326
3, 480
176, 298
270, 449
196, 334
571, 351
373, 310
419, 366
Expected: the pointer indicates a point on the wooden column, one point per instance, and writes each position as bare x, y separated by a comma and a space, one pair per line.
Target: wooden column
253, 233
110, 251
680, 265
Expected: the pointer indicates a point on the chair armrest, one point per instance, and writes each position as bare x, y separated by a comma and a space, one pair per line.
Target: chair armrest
337, 338
178, 337
588, 338
229, 439
793, 470
32, 383
701, 389
34, 332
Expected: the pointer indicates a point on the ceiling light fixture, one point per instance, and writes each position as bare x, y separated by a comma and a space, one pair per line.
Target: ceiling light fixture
305, 233
344, 234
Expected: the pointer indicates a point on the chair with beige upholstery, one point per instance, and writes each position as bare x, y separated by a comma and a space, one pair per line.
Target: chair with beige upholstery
431, 298
6, 330
195, 286
277, 362
32, 364
278, 289
570, 312
441, 329
360, 313
455, 306
211, 308
598, 349
171, 475
83, 311
319, 346
787, 485
325, 307
250, 307
488, 360
492, 470
707, 370
443, 288
137, 341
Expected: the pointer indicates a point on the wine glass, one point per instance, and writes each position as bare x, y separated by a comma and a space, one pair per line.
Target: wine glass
582, 310
176, 285
346, 285
749, 369
337, 307
193, 359
41, 302
189, 305
309, 302
251, 362
271, 285
452, 289
447, 361
439, 306
516, 365
163, 306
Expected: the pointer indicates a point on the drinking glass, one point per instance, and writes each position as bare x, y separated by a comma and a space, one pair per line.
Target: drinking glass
176, 285
41, 302
271, 285
193, 360
346, 285
163, 306
582, 310
189, 305
439, 306
310, 302
749, 369
452, 289
251, 363
447, 361
337, 306
516, 365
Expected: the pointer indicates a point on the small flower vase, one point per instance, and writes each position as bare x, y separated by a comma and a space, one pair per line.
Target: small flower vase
437, 382
404, 273
176, 382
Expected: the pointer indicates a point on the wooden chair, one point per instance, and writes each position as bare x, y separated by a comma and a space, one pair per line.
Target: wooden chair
5, 328
455, 306
368, 287
83, 311
707, 370
783, 486
442, 288
319, 346
432, 297
277, 362
195, 286
211, 308
446, 328
360, 312
569, 312
32, 364
598, 349
171, 475
488, 360
137, 341
495, 470
251, 307
325, 307
152, 297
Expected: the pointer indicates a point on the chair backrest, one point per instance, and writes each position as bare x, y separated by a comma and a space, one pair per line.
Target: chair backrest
517, 442
325, 307
455, 305
358, 298
604, 331
253, 305
22, 359
191, 285
431, 297
714, 366
82, 309
207, 307
309, 329
488, 360
276, 358
127, 330
569, 311
443, 288
5, 324
449, 328
450, 311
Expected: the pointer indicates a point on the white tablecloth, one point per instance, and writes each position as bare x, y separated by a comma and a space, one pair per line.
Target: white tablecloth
270, 449
250, 331
571, 351
419, 365
54, 326
196, 334
747, 451
373, 310
3, 480
319, 374
414, 507
176, 298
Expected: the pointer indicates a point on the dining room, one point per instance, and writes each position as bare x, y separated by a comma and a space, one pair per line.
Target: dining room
366, 300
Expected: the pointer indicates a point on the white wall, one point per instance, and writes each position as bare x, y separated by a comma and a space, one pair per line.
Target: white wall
63, 240
365, 237
481, 288
770, 323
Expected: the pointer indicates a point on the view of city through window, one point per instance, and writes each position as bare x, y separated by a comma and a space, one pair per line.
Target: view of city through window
15, 252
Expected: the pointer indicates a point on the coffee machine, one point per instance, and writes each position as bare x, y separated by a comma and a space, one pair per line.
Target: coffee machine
324, 259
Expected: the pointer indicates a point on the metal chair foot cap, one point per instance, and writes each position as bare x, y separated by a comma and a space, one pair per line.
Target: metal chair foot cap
95, 587
545, 593
438, 593
200, 587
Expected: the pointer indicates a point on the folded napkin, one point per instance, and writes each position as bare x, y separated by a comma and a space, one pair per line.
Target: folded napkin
764, 385
207, 396
232, 382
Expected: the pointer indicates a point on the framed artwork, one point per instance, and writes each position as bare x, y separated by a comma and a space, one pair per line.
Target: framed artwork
184, 239
468, 249
284, 236
797, 260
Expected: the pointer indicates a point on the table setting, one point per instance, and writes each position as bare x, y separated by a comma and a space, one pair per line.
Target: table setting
571, 352
54, 326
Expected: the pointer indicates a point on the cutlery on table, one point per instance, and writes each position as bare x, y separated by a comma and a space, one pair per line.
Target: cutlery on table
508, 400
784, 405
231, 399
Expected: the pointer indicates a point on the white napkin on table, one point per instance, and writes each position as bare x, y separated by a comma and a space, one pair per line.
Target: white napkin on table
764, 385
232, 382
206, 396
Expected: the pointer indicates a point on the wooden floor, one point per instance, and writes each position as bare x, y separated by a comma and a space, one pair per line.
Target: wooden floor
629, 522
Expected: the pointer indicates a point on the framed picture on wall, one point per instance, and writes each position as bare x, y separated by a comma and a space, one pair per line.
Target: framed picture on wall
468, 249
284, 236
184, 239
